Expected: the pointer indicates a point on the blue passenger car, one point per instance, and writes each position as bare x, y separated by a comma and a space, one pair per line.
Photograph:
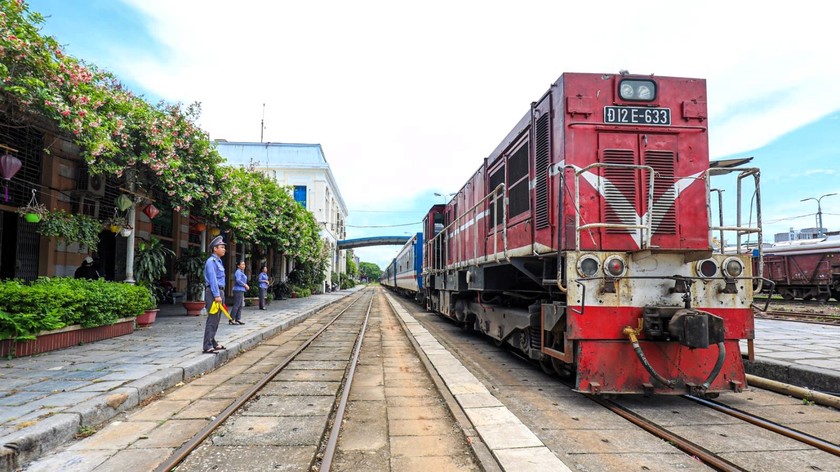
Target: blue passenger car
405, 272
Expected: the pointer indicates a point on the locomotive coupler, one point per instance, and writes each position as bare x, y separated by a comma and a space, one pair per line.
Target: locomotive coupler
691, 328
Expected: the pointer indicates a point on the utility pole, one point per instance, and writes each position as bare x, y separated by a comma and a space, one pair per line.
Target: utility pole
262, 124
819, 212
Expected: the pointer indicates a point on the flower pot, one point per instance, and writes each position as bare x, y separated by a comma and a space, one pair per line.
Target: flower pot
32, 217
125, 232
115, 229
147, 318
193, 308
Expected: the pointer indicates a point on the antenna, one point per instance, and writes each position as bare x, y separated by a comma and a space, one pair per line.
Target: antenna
262, 124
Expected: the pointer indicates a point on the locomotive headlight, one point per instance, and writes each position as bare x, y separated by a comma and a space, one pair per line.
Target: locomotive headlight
637, 90
614, 266
733, 267
707, 268
626, 90
588, 265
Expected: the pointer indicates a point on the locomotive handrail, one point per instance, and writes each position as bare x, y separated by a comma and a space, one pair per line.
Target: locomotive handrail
739, 227
445, 235
647, 227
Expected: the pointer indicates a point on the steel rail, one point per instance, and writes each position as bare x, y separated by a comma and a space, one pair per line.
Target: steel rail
704, 455
786, 431
799, 317
332, 444
178, 456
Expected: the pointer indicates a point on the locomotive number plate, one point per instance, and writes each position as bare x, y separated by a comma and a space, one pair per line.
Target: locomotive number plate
637, 116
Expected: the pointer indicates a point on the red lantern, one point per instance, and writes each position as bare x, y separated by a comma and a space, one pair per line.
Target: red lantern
9, 165
200, 227
151, 211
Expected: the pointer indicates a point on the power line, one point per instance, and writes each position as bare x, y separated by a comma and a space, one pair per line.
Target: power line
387, 211
384, 226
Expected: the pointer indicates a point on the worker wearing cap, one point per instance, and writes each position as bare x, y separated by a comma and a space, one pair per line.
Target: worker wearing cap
214, 280
86, 270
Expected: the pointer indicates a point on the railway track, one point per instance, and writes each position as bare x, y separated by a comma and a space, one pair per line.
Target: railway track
786, 434
705, 454
800, 316
342, 338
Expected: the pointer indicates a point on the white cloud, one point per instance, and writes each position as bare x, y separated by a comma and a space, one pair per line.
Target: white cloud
410, 96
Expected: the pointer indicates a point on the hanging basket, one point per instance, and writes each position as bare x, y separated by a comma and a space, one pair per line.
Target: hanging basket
126, 231
115, 229
33, 212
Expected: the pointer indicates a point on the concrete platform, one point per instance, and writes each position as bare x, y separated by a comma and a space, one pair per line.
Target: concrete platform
801, 354
48, 398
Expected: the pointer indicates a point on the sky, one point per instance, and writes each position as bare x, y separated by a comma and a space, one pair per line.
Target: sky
407, 98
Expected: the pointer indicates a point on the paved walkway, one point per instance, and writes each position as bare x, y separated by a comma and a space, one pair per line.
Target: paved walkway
46, 399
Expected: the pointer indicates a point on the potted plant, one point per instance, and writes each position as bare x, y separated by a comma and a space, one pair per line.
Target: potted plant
191, 265
33, 212
116, 223
149, 267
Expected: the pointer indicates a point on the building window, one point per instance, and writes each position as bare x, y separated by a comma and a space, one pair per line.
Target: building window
300, 194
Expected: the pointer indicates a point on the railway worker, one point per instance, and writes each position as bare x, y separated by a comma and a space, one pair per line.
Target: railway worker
240, 286
214, 280
264, 282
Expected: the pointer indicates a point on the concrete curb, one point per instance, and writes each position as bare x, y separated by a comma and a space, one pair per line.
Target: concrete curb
814, 378
29, 444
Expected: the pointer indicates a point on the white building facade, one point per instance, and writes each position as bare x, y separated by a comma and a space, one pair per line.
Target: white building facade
305, 170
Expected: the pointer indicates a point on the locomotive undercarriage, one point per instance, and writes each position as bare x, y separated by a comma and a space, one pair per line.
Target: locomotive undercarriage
504, 302
527, 312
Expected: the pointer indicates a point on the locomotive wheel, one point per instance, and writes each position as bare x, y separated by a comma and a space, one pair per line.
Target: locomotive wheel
561, 369
787, 295
546, 366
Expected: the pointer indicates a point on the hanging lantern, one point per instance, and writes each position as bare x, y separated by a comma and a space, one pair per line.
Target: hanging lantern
9, 165
200, 227
123, 202
151, 211
215, 232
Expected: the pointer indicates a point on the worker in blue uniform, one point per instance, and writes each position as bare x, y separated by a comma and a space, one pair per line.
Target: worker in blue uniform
264, 282
240, 286
214, 279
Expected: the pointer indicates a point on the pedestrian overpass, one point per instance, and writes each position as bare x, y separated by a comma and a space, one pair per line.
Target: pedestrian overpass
373, 241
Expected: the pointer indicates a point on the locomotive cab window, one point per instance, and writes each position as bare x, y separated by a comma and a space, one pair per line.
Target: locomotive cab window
636, 90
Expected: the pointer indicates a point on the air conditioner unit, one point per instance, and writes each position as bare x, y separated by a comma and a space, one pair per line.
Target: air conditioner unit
90, 184
88, 206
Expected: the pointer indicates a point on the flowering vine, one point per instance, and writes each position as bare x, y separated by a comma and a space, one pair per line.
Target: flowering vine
161, 144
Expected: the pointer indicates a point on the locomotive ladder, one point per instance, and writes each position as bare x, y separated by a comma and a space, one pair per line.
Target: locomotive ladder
739, 228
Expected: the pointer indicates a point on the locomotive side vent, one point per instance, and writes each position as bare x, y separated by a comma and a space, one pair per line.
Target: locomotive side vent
620, 192
541, 158
664, 195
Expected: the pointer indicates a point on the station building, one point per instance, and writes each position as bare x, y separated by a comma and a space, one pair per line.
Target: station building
304, 169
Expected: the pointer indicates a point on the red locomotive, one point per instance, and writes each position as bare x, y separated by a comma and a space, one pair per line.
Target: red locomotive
585, 241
